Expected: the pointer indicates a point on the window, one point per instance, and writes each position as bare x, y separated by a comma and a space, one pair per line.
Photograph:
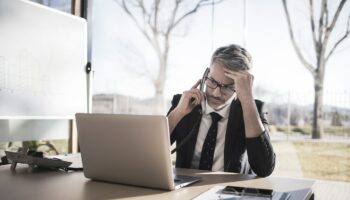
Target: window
62, 5
126, 64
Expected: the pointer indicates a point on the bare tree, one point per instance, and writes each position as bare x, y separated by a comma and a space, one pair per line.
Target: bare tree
321, 30
157, 21
336, 118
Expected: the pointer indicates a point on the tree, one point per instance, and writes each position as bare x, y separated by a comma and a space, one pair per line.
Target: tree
320, 33
157, 21
336, 119
295, 116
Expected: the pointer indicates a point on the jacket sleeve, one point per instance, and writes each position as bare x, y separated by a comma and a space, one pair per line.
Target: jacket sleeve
261, 156
174, 102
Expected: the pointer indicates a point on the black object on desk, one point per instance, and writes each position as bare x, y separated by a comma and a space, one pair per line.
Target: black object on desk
35, 159
255, 192
247, 191
4, 160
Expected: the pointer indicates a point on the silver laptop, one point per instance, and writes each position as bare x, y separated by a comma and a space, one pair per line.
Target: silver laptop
128, 149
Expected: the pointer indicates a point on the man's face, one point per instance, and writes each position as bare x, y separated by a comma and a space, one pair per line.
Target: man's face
216, 97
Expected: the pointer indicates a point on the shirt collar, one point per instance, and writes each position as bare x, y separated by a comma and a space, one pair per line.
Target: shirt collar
224, 112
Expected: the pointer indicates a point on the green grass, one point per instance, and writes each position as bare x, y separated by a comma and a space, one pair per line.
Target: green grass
333, 130
324, 160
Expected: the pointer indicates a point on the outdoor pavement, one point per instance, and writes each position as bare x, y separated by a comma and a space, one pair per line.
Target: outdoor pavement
288, 165
287, 162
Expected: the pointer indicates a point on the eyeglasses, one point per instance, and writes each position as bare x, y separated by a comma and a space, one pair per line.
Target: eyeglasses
226, 89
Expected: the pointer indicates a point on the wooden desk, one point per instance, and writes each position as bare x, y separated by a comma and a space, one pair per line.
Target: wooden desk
73, 185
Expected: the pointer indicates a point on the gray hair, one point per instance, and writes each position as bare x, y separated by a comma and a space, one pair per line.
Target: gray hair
233, 57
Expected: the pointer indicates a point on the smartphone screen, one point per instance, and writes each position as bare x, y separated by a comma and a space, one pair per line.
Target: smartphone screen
247, 191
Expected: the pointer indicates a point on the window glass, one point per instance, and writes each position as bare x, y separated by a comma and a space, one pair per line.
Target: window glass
62, 5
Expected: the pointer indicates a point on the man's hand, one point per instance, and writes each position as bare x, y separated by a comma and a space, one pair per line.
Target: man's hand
243, 83
189, 99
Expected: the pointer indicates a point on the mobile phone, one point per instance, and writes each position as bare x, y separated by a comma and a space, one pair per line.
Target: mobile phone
244, 191
201, 86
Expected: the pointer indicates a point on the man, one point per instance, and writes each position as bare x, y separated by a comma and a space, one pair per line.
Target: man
224, 129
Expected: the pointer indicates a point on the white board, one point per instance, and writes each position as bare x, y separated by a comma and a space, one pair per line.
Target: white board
43, 53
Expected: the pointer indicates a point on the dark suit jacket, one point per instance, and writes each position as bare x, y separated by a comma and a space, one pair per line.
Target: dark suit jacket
241, 154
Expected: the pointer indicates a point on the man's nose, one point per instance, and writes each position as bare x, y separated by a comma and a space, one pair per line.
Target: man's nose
217, 92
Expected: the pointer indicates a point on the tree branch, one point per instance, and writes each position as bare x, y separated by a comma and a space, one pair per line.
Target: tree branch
200, 3
346, 34
155, 19
172, 18
326, 16
321, 23
336, 15
146, 16
312, 23
296, 48
127, 10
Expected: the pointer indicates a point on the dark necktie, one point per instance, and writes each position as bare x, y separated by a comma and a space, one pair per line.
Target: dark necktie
207, 155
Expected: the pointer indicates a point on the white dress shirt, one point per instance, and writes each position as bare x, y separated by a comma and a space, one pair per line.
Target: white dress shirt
218, 160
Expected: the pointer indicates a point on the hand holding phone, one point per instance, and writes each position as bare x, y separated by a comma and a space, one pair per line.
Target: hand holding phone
190, 99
